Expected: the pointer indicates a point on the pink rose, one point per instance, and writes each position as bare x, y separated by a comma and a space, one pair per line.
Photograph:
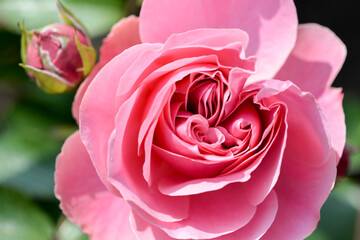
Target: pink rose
221, 125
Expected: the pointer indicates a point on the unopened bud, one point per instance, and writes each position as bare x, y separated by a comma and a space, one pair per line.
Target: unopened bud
59, 56
343, 165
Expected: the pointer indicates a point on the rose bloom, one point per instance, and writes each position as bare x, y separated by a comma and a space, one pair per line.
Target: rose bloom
206, 120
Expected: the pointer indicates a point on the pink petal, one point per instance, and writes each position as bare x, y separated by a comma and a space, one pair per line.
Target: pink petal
331, 105
301, 191
315, 60
305, 121
209, 37
266, 174
125, 169
180, 185
305, 130
84, 199
215, 213
81, 91
271, 25
123, 35
144, 230
259, 224
97, 114
211, 215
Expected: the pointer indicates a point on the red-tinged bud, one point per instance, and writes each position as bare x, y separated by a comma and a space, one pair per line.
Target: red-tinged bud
54, 49
58, 56
343, 166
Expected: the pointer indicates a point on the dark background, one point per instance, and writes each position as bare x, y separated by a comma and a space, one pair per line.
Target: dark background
342, 17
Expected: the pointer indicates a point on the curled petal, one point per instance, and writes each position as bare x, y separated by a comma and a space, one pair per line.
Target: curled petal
205, 216
301, 191
316, 59
271, 25
123, 35
260, 223
331, 105
84, 198
97, 114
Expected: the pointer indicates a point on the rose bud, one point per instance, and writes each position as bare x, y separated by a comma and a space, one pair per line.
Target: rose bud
54, 57
58, 56
343, 166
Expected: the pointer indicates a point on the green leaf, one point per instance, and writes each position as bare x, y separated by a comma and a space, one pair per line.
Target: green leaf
352, 113
338, 215
20, 219
69, 19
36, 182
97, 16
48, 81
88, 56
352, 119
68, 231
25, 39
26, 139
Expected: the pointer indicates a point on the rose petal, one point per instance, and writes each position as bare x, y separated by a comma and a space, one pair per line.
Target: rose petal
331, 105
211, 215
315, 60
84, 198
123, 35
144, 230
259, 224
97, 114
271, 25
301, 191
209, 37
305, 121
266, 174
81, 91
125, 169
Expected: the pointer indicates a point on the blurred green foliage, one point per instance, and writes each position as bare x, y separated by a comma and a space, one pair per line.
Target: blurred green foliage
21, 219
97, 16
33, 126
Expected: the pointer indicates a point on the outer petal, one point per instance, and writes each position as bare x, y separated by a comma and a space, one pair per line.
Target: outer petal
125, 170
144, 230
211, 215
81, 91
259, 224
315, 60
123, 35
301, 192
306, 129
308, 170
331, 105
271, 25
97, 123
84, 199
302, 110
97, 114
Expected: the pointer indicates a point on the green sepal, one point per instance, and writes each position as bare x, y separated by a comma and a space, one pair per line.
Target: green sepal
25, 39
88, 56
69, 19
47, 81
